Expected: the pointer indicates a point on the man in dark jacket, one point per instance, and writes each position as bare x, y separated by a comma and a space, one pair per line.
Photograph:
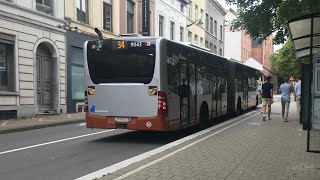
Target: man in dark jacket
267, 97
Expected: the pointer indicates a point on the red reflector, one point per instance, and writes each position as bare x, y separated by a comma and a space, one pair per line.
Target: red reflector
93, 46
148, 43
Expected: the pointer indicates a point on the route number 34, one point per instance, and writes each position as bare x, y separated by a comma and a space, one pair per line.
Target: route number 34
135, 44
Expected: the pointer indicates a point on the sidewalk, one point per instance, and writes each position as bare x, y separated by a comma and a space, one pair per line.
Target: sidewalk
251, 149
41, 121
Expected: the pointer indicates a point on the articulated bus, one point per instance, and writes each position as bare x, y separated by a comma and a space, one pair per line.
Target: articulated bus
147, 83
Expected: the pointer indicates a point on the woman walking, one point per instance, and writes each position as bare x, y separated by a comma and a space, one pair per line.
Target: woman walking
286, 89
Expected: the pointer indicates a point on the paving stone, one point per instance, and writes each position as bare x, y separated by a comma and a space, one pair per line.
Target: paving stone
272, 150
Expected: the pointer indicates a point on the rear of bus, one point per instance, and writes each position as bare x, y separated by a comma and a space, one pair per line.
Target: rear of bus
122, 87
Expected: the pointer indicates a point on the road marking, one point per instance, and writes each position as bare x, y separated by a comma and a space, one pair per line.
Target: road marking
125, 163
4, 123
53, 142
81, 124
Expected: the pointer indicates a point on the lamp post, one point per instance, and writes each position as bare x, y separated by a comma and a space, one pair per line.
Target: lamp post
305, 34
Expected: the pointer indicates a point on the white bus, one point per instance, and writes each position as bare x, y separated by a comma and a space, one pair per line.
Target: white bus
147, 83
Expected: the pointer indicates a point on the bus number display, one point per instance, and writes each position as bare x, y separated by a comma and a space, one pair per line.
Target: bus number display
135, 44
121, 45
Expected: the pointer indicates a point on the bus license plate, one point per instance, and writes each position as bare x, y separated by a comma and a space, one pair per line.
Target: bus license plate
122, 120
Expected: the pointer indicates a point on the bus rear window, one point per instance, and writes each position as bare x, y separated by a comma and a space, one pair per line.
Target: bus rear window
121, 66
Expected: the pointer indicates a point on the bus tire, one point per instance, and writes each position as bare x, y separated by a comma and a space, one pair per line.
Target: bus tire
239, 109
204, 115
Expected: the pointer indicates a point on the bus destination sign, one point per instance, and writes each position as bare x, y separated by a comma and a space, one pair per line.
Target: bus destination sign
122, 45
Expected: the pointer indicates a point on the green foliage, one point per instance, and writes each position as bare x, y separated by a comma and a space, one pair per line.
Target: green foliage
284, 62
261, 18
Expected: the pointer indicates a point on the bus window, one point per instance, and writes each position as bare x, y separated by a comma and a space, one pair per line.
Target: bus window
173, 75
192, 72
121, 66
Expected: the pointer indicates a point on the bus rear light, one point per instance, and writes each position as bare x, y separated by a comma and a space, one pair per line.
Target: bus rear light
162, 102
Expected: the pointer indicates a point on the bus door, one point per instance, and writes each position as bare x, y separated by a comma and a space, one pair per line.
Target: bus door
192, 97
214, 100
184, 93
245, 94
218, 96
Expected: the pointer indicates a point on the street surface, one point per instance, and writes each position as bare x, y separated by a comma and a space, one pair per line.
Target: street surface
71, 151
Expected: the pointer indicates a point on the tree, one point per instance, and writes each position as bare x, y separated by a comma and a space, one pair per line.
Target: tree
261, 18
284, 62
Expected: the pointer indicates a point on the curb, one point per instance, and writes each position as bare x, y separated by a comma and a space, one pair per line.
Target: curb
32, 127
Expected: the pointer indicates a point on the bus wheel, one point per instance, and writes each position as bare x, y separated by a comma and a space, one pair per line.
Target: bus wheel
239, 109
204, 116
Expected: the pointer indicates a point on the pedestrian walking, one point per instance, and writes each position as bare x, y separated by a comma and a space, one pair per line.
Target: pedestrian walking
297, 96
267, 97
286, 89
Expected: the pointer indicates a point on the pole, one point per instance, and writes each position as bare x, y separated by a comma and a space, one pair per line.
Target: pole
310, 89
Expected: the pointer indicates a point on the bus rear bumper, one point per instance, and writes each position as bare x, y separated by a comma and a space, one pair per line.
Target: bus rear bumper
157, 123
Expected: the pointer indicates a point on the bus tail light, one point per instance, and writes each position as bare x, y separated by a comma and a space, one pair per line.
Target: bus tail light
86, 101
162, 102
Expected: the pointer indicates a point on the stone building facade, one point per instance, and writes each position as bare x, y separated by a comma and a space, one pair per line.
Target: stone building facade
237, 42
214, 26
171, 19
32, 58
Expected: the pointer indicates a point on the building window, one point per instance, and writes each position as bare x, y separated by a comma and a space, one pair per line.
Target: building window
221, 32
215, 49
182, 8
189, 36
196, 12
207, 22
44, 6
201, 15
172, 30
82, 11
107, 20
6, 66
201, 41
211, 47
161, 18
130, 16
196, 39
211, 25
181, 34
207, 44
77, 74
215, 28
220, 51
190, 10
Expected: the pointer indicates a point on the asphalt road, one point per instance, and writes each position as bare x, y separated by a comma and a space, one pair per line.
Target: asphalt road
72, 151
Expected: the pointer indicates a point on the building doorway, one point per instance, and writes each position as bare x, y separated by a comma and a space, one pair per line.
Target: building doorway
45, 81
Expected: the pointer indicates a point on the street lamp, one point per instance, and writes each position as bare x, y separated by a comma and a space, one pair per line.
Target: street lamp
197, 22
305, 34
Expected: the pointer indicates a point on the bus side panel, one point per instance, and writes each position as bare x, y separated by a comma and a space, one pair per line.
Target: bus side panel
231, 87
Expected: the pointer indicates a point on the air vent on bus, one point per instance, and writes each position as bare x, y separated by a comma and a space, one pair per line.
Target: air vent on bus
195, 46
131, 35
